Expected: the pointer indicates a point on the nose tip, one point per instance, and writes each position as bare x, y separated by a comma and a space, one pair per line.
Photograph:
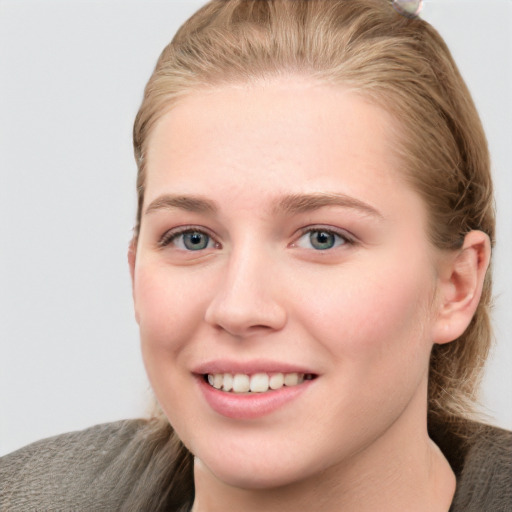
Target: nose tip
244, 307
241, 322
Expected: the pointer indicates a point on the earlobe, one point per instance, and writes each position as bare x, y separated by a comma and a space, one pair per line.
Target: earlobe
460, 286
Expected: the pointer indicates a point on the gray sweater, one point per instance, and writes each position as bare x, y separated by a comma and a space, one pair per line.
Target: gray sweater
105, 467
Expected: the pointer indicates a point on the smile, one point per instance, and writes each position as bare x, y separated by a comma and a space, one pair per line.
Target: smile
255, 383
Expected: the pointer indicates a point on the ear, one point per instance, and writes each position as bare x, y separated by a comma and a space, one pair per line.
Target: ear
132, 255
461, 279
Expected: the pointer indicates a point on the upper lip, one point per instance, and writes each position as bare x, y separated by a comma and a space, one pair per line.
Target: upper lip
249, 367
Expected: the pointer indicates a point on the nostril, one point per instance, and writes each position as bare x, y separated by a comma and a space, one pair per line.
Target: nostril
260, 327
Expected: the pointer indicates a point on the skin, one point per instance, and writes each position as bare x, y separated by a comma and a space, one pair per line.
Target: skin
362, 315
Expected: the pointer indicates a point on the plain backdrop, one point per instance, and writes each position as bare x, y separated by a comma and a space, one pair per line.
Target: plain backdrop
71, 79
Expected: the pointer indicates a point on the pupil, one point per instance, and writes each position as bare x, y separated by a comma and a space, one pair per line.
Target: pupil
195, 241
322, 240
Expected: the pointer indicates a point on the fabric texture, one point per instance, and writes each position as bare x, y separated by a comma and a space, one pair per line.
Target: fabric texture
110, 467
484, 482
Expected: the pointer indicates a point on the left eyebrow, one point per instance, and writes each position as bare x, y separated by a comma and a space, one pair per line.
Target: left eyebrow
302, 203
189, 203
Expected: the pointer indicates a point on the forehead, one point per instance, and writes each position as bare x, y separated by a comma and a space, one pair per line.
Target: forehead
268, 139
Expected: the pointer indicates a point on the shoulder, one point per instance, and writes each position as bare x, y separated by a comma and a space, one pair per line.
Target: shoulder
484, 483
80, 469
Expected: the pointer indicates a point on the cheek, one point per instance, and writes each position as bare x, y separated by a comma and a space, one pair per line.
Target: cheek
366, 313
167, 308
169, 314
373, 333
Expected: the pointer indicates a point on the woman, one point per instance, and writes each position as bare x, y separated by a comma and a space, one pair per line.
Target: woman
309, 269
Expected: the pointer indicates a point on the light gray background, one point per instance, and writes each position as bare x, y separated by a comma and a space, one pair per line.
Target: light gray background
71, 78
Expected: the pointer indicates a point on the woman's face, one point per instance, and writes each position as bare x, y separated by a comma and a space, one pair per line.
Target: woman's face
279, 243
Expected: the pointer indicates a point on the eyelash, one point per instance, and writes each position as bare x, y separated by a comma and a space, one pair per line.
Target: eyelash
173, 234
345, 237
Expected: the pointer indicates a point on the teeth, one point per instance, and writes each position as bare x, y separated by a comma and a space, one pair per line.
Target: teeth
217, 381
291, 379
259, 383
241, 383
276, 381
256, 383
227, 384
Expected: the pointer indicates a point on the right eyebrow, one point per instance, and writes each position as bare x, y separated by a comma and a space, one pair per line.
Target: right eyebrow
302, 203
190, 203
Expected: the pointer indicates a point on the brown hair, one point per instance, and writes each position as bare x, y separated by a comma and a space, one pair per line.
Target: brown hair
401, 64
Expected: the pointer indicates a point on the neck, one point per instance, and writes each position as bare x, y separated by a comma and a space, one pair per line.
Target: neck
402, 470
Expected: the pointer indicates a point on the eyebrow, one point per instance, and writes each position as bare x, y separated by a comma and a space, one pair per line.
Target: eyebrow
290, 204
303, 203
189, 203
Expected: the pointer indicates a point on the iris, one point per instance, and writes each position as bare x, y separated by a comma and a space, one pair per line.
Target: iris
322, 240
195, 240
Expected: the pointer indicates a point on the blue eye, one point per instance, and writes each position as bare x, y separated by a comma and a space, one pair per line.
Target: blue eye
321, 240
195, 240
189, 240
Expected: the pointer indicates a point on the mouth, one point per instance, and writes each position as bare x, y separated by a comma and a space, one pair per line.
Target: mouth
242, 383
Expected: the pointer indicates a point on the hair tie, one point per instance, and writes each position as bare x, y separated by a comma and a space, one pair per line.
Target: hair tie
408, 8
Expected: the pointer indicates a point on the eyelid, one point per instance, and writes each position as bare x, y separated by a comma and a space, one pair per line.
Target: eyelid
343, 233
170, 234
167, 238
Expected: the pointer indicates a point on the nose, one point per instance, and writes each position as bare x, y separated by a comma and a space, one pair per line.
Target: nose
247, 300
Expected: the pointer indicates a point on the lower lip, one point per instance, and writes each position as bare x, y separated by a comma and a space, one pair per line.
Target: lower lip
247, 406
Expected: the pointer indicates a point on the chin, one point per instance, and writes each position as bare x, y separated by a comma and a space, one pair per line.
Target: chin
253, 477
270, 468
